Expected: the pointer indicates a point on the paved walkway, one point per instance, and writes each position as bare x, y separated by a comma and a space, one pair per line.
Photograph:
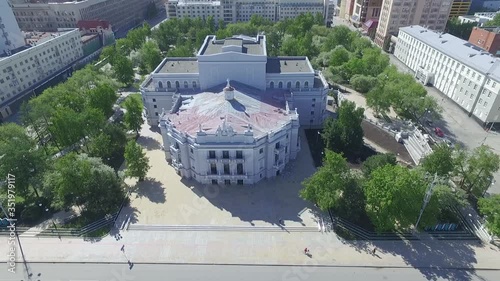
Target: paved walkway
256, 247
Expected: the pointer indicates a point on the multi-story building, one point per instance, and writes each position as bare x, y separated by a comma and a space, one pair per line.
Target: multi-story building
398, 13
242, 10
459, 8
491, 5
465, 73
479, 18
203, 123
48, 15
30, 66
11, 37
487, 38
365, 10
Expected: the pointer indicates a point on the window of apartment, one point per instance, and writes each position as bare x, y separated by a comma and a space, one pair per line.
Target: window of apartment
488, 81
480, 100
494, 84
239, 154
261, 150
155, 106
225, 154
312, 112
227, 182
156, 113
240, 182
485, 104
211, 154
154, 100
475, 86
471, 96
489, 94
191, 150
214, 182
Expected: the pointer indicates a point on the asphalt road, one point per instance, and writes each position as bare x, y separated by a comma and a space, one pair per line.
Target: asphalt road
121, 272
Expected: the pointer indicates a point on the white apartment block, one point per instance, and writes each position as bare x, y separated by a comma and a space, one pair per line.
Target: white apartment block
31, 65
242, 10
399, 13
463, 72
242, 131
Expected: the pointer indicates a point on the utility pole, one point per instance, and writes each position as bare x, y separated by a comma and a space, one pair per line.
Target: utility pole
427, 198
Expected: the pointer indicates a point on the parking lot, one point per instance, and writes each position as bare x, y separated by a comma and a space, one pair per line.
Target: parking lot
166, 199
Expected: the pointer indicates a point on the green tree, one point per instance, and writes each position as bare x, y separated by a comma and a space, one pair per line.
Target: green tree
476, 169
103, 98
458, 29
345, 134
394, 197
490, 208
362, 83
339, 35
440, 161
150, 55
376, 161
374, 61
85, 182
137, 162
339, 56
334, 187
180, 51
123, 70
109, 144
133, 115
20, 157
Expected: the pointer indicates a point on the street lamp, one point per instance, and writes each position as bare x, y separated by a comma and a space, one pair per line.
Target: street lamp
427, 198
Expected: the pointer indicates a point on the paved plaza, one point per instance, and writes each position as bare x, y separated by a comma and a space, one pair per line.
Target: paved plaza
164, 198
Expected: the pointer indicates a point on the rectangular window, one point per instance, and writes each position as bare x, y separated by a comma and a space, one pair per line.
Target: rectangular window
225, 154
239, 154
154, 100
485, 104
261, 150
227, 182
211, 154
155, 106
240, 182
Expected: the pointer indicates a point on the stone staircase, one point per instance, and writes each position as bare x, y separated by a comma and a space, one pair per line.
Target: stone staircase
417, 146
229, 228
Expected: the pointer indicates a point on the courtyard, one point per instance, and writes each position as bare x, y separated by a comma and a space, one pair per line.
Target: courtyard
165, 198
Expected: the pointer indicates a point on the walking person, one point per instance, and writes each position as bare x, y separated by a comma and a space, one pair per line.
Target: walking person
123, 248
374, 251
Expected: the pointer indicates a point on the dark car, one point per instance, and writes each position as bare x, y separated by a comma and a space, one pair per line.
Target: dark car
439, 132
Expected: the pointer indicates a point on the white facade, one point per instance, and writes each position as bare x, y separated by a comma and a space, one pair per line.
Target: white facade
23, 70
234, 136
242, 59
11, 36
465, 73
242, 10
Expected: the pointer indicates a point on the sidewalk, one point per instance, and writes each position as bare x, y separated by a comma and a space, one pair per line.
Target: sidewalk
252, 247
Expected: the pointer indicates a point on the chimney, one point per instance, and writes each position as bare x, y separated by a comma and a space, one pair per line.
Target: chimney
228, 92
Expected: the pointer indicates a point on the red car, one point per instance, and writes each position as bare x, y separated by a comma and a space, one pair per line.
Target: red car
438, 132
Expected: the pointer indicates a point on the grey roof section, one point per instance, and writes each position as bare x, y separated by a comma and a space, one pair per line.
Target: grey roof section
179, 65
458, 49
288, 65
250, 45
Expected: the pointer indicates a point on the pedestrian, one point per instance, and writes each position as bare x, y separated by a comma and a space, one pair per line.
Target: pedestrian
374, 251
123, 248
306, 251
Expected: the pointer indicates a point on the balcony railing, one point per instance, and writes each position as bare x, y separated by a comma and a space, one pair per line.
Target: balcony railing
212, 160
279, 164
238, 159
220, 175
279, 150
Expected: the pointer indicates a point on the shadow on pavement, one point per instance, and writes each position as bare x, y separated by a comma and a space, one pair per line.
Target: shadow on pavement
150, 188
434, 259
149, 143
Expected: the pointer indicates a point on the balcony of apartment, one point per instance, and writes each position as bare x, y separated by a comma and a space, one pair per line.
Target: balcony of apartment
212, 159
177, 165
279, 149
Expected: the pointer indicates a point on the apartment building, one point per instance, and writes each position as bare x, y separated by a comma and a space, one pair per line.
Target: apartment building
242, 10
365, 10
30, 66
465, 73
399, 13
487, 38
48, 15
11, 37
459, 8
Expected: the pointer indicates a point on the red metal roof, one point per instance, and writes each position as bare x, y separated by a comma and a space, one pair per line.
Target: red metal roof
87, 24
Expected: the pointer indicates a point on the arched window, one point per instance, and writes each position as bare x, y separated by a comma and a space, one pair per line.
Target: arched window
169, 85
194, 84
160, 84
280, 85
186, 85
288, 85
306, 84
177, 84
271, 85
297, 85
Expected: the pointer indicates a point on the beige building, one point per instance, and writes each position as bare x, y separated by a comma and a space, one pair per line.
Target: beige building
365, 10
432, 14
242, 10
48, 15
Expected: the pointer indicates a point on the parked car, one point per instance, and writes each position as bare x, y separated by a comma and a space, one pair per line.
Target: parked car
438, 132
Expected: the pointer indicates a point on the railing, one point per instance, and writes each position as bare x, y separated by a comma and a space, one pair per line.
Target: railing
279, 164
279, 149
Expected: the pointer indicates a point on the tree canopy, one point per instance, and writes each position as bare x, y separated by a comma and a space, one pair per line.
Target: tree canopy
137, 162
345, 134
490, 208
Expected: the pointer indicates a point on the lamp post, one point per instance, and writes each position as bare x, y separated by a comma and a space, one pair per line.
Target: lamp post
427, 198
